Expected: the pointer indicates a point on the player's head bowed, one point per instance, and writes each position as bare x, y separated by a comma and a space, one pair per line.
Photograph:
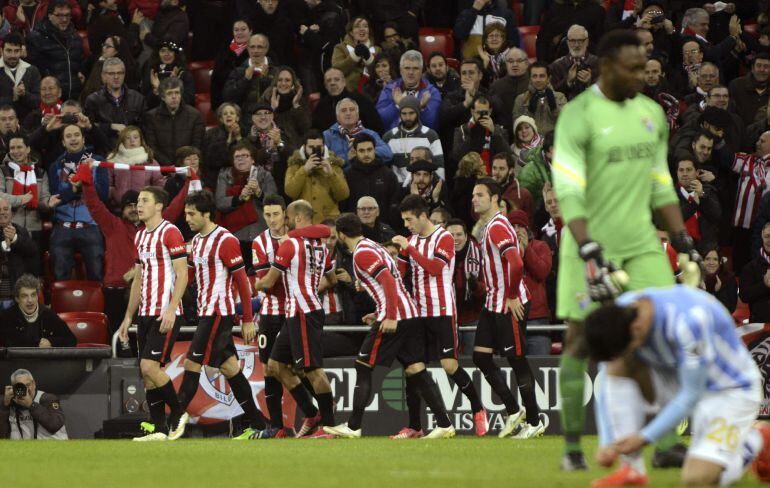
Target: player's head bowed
608, 331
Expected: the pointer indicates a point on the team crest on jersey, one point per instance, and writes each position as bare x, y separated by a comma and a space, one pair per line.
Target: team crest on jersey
648, 124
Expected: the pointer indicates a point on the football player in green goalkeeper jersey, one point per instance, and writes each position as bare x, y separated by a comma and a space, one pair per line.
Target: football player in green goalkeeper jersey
610, 175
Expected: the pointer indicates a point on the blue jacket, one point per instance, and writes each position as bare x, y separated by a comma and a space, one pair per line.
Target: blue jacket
72, 208
388, 111
338, 143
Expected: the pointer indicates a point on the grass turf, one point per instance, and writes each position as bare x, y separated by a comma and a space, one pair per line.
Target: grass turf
368, 462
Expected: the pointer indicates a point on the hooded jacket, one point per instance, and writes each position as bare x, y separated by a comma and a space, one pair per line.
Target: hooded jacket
389, 112
323, 191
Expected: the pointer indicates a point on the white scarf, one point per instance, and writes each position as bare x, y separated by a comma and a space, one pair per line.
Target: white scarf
132, 156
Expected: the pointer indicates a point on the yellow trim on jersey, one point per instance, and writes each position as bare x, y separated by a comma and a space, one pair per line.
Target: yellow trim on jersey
570, 174
661, 178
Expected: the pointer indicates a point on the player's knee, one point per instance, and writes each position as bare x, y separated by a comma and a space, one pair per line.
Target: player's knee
450, 365
192, 366
149, 368
230, 368
272, 368
414, 368
483, 361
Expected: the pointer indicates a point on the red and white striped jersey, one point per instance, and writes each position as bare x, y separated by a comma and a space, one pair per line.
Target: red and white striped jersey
330, 298
499, 236
215, 257
263, 253
303, 262
433, 295
369, 260
155, 251
753, 183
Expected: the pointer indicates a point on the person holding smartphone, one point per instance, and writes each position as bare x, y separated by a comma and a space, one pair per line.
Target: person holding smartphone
699, 203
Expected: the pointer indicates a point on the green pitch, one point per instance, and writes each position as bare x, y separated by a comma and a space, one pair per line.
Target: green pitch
372, 462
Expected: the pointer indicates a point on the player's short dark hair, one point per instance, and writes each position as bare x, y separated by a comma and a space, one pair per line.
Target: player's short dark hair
608, 331
363, 137
274, 199
542, 65
414, 204
456, 221
612, 43
203, 203
158, 194
492, 186
349, 224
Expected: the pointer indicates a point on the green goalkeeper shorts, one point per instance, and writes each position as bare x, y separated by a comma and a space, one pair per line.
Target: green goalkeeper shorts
647, 270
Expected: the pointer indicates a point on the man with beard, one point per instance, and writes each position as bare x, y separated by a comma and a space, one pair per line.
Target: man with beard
574, 72
750, 92
20, 87
503, 172
656, 87
325, 115
423, 183
439, 74
409, 134
719, 96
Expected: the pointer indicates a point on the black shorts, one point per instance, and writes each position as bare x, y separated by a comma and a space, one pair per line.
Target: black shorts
440, 336
405, 344
501, 332
152, 344
300, 341
269, 326
212, 342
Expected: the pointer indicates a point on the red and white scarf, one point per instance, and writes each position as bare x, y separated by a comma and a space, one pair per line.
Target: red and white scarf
350, 134
195, 182
534, 142
24, 181
237, 48
693, 228
50, 109
553, 229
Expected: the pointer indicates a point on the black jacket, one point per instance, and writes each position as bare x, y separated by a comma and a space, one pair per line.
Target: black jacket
15, 331
753, 290
31, 99
225, 62
324, 115
278, 27
372, 180
49, 146
166, 132
246, 93
103, 112
171, 24
472, 139
58, 54
710, 213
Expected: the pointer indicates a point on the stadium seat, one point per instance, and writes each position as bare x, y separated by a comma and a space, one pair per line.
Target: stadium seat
741, 314
751, 29
453, 63
204, 107
88, 327
202, 79
205, 64
84, 40
77, 296
313, 99
440, 40
518, 10
529, 35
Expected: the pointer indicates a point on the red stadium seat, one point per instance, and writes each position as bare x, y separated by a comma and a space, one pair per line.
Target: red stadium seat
440, 40
518, 10
204, 107
77, 296
529, 35
84, 41
751, 29
88, 327
741, 314
202, 79
453, 63
313, 99
206, 64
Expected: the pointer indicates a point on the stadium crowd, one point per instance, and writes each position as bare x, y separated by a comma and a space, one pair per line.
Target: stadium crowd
353, 105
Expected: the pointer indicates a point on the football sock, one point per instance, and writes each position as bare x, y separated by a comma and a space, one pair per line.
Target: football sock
326, 407
463, 381
751, 446
429, 392
188, 388
274, 399
243, 395
168, 394
620, 412
571, 385
413, 403
361, 395
157, 409
304, 401
526, 388
309, 387
494, 377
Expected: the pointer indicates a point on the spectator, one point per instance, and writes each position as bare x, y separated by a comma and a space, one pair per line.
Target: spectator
187, 157
713, 122
290, 111
354, 56
516, 82
410, 133
74, 227
401, 14
319, 31
55, 48
25, 15
470, 23
246, 83
480, 134
50, 105
20, 87
470, 168
762, 125
29, 323
240, 190
170, 24
368, 175
551, 234
271, 142
699, 204
46, 140
339, 138
717, 280
33, 415
166, 61
109, 19
750, 92
325, 111
271, 18
229, 58
132, 149
412, 84
26, 185
9, 127
368, 211
18, 253
685, 78
654, 78
115, 106
440, 75
173, 124
540, 101
755, 281
493, 50
525, 138
718, 97
503, 172
707, 78
315, 175
209, 36
557, 21
218, 141
393, 46
467, 279
384, 74
695, 25
536, 173
440, 216
425, 183
111, 47
573, 73
536, 256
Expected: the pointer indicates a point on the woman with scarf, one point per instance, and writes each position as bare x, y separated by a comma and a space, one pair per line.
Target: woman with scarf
112, 47
133, 150
717, 280
525, 138
290, 109
232, 56
220, 139
384, 73
354, 56
168, 60
492, 51
239, 194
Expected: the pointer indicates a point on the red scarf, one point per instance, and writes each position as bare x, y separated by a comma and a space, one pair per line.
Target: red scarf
237, 48
536, 141
692, 223
243, 215
24, 181
486, 150
50, 109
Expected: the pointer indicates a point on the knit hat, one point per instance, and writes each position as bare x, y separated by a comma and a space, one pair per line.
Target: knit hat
527, 119
409, 102
718, 117
518, 217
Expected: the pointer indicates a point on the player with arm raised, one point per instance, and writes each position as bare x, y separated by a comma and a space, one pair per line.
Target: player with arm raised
156, 291
610, 172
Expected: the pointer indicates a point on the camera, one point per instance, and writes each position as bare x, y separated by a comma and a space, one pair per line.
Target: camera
69, 119
19, 390
658, 19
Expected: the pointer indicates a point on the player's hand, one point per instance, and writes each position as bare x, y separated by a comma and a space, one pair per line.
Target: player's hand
604, 281
630, 444
606, 456
123, 330
248, 331
690, 261
359, 287
8, 395
342, 275
167, 319
388, 326
401, 242
514, 307
369, 318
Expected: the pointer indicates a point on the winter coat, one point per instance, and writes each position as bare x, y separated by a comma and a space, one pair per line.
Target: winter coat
534, 175
325, 115
323, 191
506, 89
30, 76
338, 144
231, 203
544, 115
247, 93
17, 332
166, 132
389, 112
29, 218
216, 153
754, 292
537, 265
350, 64
59, 54
171, 24
371, 180
102, 110
470, 24
40, 15
71, 208
224, 64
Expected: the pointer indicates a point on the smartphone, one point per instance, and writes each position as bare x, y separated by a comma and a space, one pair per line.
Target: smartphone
483, 113
69, 119
658, 19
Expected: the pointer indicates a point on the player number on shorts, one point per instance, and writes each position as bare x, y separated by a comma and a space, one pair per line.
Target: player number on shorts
262, 341
723, 433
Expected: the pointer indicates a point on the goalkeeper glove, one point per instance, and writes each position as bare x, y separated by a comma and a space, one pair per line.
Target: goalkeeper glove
690, 261
603, 280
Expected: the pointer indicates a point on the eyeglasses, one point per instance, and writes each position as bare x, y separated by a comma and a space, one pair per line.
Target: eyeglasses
691, 51
240, 157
